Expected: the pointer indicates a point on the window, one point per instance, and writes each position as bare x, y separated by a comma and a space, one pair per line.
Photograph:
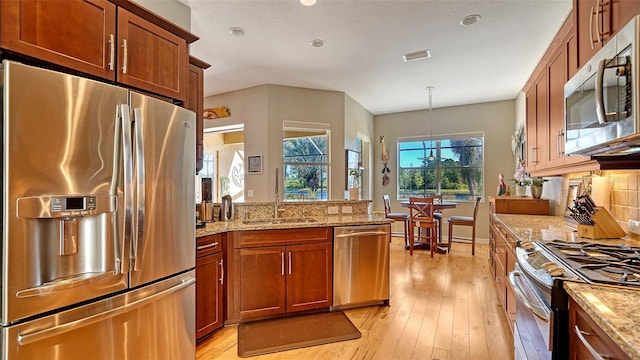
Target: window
456, 170
306, 163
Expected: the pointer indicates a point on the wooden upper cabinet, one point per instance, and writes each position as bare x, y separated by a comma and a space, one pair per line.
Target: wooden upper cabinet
598, 20
73, 34
622, 11
557, 78
537, 123
591, 28
151, 58
195, 103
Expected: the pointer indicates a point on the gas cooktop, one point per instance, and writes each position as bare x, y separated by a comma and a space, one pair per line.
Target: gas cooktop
600, 263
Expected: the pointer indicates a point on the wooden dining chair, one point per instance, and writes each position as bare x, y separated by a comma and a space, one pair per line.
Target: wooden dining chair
404, 217
437, 214
421, 216
464, 221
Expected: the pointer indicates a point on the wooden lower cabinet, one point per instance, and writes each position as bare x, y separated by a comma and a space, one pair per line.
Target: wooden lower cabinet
209, 285
587, 340
291, 276
502, 244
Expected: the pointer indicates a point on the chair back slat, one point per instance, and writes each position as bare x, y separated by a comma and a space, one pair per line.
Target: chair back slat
475, 208
387, 205
421, 208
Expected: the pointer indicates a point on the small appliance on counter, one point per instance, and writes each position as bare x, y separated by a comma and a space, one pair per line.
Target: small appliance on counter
206, 206
226, 208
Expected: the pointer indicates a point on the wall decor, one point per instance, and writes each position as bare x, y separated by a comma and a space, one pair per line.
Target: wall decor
216, 112
254, 164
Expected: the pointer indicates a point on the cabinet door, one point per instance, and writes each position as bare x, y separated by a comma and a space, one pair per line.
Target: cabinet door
261, 279
195, 103
557, 78
209, 294
537, 123
622, 11
309, 277
76, 34
151, 58
593, 26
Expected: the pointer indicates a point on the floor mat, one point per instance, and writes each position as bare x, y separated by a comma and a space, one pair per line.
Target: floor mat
273, 335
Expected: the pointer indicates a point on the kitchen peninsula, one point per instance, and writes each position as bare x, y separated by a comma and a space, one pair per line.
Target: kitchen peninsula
247, 268
603, 307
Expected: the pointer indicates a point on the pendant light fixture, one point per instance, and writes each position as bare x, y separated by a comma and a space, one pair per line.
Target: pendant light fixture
431, 157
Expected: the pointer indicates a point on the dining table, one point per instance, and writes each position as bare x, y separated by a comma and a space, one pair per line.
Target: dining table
437, 206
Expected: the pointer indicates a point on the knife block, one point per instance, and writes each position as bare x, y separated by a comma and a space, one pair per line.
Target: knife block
605, 226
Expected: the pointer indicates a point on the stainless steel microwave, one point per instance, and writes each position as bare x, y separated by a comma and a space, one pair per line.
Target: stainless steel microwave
601, 100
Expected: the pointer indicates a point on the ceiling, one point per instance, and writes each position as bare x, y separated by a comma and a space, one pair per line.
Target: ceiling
364, 43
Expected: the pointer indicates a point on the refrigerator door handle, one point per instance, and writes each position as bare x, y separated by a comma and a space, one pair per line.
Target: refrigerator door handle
77, 324
127, 157
140, 183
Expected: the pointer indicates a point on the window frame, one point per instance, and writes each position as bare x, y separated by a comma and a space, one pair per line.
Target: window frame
438, 168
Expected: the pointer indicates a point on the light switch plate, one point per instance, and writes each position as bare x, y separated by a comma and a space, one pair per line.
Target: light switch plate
347, 210
250, 193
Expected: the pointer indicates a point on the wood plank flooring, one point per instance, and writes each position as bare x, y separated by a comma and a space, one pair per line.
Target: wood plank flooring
441, 308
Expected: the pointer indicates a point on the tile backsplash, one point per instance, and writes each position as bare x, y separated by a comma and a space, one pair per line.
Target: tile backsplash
622, 197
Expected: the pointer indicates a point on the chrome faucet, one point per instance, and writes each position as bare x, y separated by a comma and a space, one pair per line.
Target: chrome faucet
276, 208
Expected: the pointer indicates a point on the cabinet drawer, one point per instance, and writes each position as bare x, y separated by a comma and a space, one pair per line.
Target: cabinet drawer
259, 238
592, 336
207, 245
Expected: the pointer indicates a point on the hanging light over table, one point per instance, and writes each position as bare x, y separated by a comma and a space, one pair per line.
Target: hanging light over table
431, 157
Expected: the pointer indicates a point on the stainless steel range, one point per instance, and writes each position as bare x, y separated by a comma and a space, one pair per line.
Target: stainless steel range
542, 330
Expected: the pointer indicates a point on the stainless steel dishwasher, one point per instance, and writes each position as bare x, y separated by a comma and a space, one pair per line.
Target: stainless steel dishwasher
361, 265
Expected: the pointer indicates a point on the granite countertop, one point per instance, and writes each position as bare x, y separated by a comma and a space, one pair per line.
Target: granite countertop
548, 228
612, 308
238, 225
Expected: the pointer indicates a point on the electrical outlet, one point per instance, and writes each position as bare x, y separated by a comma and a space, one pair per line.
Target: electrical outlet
332, 209
634, 227
347, 210
250, 193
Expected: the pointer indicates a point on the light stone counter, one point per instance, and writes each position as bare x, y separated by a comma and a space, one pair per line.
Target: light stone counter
321, 221
548, 228
613, 309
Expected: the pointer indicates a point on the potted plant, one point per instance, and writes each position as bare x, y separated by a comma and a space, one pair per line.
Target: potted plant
536, 187
520, 186
354, 190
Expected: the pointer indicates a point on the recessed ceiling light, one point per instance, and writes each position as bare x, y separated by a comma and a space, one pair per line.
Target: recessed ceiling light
237, 31
422, 54
470, 20
317, 43
308, 2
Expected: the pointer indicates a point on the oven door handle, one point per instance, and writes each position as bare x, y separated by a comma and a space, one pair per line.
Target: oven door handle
539, 311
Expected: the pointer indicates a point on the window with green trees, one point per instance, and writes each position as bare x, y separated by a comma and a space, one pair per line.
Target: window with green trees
306, 165
451, 166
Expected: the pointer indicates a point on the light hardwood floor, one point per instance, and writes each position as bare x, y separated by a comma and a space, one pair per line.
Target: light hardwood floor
441, 308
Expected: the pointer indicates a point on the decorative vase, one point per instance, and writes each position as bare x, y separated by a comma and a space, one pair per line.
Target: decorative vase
536, 191
354, 193
521, 190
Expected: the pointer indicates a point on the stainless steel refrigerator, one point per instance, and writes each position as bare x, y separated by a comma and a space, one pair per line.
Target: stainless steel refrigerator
98, 230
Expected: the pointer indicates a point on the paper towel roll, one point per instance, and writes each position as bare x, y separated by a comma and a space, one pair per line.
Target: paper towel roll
601, 191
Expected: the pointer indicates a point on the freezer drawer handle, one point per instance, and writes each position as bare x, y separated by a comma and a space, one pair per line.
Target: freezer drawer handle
75, 325
362, 233
65, 284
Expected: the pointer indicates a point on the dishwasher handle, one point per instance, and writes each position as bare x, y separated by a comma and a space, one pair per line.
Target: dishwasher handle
362, 233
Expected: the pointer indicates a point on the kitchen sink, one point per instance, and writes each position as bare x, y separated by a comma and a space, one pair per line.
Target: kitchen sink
278, 221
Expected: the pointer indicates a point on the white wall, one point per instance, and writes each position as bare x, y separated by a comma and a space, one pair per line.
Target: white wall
262, 110
172, 10
358, 123
495, 119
